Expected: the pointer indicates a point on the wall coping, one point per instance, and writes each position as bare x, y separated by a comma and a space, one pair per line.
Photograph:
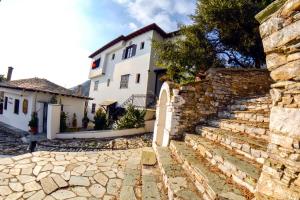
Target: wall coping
263, 15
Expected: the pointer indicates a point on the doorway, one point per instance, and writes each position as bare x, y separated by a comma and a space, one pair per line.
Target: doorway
45, 114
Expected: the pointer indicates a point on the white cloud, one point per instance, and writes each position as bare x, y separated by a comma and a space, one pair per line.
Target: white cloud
133, 26
45, 39
161, 12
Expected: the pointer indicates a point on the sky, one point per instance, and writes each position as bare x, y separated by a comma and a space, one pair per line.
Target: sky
52, 39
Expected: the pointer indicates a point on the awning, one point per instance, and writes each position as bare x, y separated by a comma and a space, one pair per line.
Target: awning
107, 103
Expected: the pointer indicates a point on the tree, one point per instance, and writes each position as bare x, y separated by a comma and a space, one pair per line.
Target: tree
100, 119
2, 78
224, 33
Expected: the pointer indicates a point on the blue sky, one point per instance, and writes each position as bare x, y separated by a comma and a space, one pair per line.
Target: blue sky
52, 39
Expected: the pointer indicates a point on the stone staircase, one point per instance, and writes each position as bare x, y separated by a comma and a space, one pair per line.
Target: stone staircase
223, 158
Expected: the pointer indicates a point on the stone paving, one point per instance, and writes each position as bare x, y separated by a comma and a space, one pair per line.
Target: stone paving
56, 175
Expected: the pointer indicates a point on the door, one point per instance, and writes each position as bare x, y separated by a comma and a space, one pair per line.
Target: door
45, 114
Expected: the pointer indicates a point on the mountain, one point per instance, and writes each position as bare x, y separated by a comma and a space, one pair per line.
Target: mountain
85, 88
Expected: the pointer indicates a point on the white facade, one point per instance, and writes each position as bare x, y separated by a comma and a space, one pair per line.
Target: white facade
36, 102
110, 70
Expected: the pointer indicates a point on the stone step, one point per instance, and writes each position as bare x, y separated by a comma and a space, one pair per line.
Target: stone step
256, 129
266, 99
249, 106
209, 180
177, 183
242, 143
243, 171
247, 115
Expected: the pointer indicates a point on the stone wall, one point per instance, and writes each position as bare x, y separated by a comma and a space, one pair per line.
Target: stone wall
280, 32
194, 103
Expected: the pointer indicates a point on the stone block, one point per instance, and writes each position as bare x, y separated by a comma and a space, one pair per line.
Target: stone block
290, 7
289, 71
148, 157
275, 60
285, 120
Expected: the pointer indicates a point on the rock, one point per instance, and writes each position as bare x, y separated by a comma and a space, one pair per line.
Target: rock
6, 161
58, 169
289, 71
97, 190
37, 170
59, 181
127, 192
113, 186
274, 60
81, 191
5, 190
148, 157
66, 175
110, 174
63, 194
40, 195
42, 175
101, 178
47, 167
80, 169
79, 181
290, 7
14, 196
25, 178
48, 185
32, 186
17, 187
5, 175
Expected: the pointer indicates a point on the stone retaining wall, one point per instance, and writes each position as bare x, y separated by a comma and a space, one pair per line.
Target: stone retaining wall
197, 102
280, 32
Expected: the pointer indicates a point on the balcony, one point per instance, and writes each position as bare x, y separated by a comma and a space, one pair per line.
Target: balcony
96, 72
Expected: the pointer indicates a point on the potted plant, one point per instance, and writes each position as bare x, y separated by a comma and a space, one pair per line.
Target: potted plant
85, 120
33, 123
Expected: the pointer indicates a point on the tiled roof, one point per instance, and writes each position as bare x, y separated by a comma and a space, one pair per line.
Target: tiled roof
39, 85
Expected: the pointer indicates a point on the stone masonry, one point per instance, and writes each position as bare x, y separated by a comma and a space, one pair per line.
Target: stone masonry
280, 32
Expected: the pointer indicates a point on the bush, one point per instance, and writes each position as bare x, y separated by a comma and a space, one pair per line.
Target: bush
85, 120
33, 123
74, 121
63, 122
100, 119
133, 118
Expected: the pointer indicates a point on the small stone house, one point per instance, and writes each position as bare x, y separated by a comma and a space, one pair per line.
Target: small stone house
23, 97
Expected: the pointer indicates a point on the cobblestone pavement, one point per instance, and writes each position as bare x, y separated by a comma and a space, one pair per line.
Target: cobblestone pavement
73, 175
12, 143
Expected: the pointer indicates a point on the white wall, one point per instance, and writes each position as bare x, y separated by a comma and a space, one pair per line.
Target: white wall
17, 120
71, 105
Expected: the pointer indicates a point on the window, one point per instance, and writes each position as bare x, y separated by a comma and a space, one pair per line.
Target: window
5, 103
138, 78
142, 45
124, 81
25, 106
113, 56
108, 82
93, 108
96, 63
96, 84
129, 52
17, 105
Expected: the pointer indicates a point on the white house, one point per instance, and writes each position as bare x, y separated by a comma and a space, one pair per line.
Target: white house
124, 70
23, 97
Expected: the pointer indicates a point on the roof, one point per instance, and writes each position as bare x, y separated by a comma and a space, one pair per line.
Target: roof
132, 35
39, 85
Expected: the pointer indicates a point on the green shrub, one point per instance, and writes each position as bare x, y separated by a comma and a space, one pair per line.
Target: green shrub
63, 122
100, 119
33, 123
133, 118
74, 121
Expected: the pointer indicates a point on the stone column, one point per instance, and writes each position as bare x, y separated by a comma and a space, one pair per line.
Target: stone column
53, 120
280, 32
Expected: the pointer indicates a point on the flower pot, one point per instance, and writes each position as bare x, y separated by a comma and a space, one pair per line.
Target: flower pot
33, 130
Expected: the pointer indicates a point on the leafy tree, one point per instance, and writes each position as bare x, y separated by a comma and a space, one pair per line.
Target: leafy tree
134, 118
100, 119
223, 33
2, 78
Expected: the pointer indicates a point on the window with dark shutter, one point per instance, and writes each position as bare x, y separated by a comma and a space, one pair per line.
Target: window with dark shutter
124, 81
138, 78
5, 103
113, 56
93, 108
129, 51
142, 45
96, 63
108, 82
17, 106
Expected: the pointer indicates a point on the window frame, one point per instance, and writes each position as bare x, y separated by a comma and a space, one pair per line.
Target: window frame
113, 56
96, 85
108, 82
124, 82
142, 46
93, 110
16, 106
97, 63
5, 103
138, 78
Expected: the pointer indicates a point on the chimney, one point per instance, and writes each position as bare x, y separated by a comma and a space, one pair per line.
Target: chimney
79, 90
9, 73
